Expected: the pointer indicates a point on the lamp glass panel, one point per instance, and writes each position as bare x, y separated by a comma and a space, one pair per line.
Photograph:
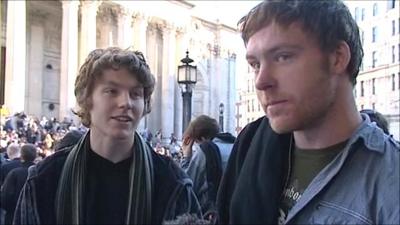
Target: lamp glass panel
187, 73
193, 74
181, 73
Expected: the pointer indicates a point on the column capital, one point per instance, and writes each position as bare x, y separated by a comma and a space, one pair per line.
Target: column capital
167, 28
137, 16
109, 10
152, 28
124, 13
69, 3
90, 3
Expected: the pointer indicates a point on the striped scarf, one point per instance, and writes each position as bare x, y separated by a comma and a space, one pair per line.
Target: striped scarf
71, 187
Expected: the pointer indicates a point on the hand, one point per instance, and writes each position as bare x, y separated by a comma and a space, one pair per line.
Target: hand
187, 145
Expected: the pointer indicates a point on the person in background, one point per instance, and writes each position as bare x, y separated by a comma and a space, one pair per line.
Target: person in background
15, 180
378, 118
203, 161
111, 176
312, 159
69, 139
14, 161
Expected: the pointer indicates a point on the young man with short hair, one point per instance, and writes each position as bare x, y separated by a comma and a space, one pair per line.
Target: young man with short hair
313, 159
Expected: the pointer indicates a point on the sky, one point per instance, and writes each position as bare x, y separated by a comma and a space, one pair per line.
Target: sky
227, 12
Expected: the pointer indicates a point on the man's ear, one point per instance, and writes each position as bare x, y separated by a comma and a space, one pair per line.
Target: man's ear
340, 58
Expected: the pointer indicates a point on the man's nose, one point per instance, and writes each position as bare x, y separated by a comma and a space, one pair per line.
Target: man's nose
125, 100
264, 78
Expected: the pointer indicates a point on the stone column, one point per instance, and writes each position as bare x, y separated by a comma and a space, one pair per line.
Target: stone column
88, 28
140, 33
69, 59
125, 34
15, 56
36, 68
168, 79
152, 121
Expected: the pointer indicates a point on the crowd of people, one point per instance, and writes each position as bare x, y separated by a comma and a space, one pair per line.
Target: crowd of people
44, 133
312, 159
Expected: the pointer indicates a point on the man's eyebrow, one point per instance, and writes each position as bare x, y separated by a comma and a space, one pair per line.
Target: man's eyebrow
275, 49
109, 82
249, 57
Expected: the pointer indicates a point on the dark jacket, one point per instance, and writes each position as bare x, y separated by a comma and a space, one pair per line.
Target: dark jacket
7, 167
12, 186
359, 186
173, 193
253, 182
206, 166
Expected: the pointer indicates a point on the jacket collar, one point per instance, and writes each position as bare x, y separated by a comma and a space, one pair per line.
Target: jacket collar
372, 136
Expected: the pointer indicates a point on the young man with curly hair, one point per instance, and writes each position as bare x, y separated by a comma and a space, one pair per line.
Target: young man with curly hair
111, 176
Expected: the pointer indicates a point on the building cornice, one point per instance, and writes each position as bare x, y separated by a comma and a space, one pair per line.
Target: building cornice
215, 25
183, 3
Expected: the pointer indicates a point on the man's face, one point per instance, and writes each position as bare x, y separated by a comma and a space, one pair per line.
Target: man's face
117, 105
292, 77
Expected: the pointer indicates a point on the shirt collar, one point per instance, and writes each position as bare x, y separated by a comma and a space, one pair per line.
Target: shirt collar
373, 137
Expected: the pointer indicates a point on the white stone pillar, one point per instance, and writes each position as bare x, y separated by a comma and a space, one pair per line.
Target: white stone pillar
153, 120
125, 34
135, 37
36, 70
168, 80
140, 33
69, 59
15, 56
88, 28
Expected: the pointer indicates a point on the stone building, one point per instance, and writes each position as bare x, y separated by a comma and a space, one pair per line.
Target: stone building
44, 42
378, 83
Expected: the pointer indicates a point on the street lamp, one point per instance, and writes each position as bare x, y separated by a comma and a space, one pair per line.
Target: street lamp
187, 78
221, 116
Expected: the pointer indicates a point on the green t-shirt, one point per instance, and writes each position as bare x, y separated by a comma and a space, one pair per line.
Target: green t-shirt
306, 164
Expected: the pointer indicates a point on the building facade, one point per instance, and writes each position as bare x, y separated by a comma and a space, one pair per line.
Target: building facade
45, 42
378, 83
248, 107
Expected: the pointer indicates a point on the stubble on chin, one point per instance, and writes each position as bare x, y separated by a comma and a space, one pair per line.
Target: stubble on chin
280, 125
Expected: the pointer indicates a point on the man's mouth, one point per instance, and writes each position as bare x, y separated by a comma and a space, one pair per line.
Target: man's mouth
122, 118
272, 103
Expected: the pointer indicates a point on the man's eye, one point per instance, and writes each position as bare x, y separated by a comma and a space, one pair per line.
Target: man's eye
110, 91
136, 94
283, 57
255, 65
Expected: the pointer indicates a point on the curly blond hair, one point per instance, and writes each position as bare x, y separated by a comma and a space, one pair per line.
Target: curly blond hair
110, 58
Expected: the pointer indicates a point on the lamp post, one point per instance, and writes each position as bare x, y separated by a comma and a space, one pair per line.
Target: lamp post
221, 116
187, 78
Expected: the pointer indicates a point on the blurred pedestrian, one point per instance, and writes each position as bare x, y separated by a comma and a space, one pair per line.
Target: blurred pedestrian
14, 161
378, 118
202, 160
15, 180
